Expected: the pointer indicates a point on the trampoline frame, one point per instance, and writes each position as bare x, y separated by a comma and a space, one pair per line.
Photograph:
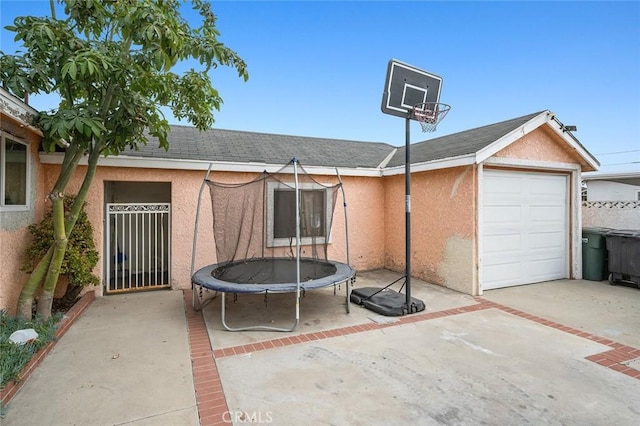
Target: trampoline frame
203, 276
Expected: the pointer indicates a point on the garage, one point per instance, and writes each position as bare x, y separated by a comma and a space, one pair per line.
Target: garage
524, 228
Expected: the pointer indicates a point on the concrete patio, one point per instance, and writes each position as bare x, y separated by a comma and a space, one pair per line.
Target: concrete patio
562, 352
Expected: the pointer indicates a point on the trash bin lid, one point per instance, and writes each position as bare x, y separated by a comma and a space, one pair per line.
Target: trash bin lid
629, 233
597, 230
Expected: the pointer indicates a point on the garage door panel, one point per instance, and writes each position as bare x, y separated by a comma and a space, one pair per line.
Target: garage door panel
504, 273
502, 243
504, 213
524, 228
547, 214
548, 187
546, 269
503, 187
547, 241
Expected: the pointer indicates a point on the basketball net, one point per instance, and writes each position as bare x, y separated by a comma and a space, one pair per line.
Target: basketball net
429, 114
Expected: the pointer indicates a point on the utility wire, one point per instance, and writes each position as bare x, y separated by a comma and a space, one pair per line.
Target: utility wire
621, 164
619, 152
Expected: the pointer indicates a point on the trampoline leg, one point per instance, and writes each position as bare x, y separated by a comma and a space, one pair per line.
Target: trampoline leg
223, 314
348, 295
195, 300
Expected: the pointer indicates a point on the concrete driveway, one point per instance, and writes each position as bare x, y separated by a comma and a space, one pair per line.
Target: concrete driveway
524, 355
559, 353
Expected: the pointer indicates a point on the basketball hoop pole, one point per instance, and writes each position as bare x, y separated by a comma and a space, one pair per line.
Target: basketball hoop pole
407, 209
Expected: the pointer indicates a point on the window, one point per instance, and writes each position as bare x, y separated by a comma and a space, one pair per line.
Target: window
315, 205
14, 174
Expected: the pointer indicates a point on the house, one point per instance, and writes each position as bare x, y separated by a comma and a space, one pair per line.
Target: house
622, 186
612, 200
21, 191
494, 206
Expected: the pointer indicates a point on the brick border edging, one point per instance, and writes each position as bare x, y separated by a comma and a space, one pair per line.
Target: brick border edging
11, 388
343, 331
210, 399
212, 404
613, 359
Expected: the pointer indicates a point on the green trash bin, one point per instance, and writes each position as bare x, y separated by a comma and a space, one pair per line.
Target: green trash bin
594, 254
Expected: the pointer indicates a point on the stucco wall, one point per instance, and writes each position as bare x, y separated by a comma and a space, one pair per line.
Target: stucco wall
442, 226
611, 214
364, 198
542, 145
184, 194
14, 233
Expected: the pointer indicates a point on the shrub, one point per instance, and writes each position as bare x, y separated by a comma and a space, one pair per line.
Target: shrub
81, 255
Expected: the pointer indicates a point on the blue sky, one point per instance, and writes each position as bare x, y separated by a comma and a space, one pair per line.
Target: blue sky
318, 68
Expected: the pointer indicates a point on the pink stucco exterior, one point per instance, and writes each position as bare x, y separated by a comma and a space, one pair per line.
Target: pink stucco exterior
442, 223
14, 233
444, 212
543, 145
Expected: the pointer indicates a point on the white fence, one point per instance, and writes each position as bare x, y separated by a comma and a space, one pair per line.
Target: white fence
611, 214
137, 246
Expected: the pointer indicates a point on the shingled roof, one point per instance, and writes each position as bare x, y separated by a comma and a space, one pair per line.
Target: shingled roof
242, 147
188, 143
461, 143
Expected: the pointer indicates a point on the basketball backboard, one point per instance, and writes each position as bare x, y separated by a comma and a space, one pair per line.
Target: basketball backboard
407, 86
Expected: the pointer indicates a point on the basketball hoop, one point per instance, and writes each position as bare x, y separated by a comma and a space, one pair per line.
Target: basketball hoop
429, 114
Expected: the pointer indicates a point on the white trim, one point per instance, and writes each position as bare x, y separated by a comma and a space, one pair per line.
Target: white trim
14, 106
610, 176
531, 164
221, 166
559, 129
28, 190
444, 163
575, 217
516, 134
480, 229
384, 162
546, 117
286, 242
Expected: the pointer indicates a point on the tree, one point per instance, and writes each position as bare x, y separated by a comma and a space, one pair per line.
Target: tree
111, 63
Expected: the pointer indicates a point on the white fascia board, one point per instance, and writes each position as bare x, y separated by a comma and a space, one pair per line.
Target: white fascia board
523, 163
445, 163
18, 110
384, 162
576, 146
495, 147
224, 166
16, 104
546, 117
607, 176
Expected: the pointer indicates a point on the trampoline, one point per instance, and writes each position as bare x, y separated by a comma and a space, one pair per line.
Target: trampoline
259, 228
271, 275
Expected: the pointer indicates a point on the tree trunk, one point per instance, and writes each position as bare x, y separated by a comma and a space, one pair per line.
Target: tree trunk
59, 249
43, 269
25, 302
72, 293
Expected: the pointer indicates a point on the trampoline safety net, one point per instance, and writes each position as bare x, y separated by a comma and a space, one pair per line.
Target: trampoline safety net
256, 220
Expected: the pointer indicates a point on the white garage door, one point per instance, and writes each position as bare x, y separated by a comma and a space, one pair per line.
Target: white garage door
524, 228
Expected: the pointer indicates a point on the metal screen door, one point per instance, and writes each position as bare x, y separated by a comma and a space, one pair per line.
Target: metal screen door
138, 240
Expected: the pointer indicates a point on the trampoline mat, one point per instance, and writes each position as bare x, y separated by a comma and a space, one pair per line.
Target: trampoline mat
272, 271
273, 275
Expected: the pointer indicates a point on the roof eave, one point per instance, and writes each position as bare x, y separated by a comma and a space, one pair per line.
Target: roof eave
221, 166
442, 163
545, 117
